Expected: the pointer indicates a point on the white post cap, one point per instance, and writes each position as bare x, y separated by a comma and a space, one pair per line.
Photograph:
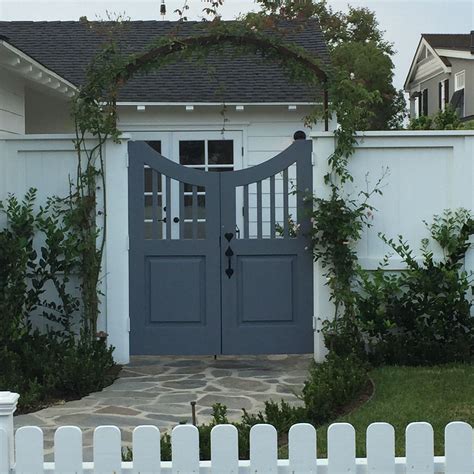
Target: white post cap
8, 402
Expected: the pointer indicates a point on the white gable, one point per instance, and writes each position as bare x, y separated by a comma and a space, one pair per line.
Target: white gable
426, 63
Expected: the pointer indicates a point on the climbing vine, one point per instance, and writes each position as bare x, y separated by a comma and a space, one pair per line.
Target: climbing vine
337, 220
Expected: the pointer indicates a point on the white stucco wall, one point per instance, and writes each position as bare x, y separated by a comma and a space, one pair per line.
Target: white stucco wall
12, 103
426, 173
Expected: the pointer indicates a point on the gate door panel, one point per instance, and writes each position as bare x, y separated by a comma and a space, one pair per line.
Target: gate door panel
267, 274
175, 286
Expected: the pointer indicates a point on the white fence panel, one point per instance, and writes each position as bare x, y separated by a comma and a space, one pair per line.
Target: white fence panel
341, 449
224, 449
185, 452
381, 448
29, 450
185, 449
107, 450
4, 453
419, 448
459, 448
302, 449
68, 450
263, 449
146, 450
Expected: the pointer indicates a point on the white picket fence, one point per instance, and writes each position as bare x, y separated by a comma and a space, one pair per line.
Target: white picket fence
303, 459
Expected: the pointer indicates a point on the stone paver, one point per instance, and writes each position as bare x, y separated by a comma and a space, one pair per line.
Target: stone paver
158, 391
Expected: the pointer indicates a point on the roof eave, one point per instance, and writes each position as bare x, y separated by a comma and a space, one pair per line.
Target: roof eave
25, 66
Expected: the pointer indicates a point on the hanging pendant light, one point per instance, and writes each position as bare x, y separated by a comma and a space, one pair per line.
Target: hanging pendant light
163, 8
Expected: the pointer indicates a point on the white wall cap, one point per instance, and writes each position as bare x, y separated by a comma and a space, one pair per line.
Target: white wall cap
8, 402
403, 133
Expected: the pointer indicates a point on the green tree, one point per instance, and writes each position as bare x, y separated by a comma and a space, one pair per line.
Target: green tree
359, 52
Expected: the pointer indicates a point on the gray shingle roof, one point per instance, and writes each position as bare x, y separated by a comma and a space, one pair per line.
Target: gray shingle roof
68, 47
462, 42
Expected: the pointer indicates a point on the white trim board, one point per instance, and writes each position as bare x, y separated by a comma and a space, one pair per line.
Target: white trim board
217, 104
25, 66
454, 53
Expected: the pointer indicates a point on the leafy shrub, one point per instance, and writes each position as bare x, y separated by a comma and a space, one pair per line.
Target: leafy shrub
421, 123
333, 385
63, 361
447, 119
422, 315
44, 368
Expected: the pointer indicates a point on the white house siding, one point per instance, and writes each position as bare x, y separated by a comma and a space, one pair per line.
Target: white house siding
467, 65
427, 173
12, 103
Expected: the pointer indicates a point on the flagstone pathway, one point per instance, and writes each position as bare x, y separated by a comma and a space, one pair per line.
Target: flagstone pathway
159, 390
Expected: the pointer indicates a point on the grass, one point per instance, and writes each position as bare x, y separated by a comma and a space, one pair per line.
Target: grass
403, 395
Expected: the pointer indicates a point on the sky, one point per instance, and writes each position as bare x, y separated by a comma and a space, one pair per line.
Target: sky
403, 20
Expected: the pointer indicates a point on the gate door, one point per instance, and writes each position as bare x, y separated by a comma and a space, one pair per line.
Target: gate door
267, 279
175, 295
238, 279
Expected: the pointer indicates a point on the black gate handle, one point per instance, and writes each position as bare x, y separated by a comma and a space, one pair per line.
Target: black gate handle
229, 253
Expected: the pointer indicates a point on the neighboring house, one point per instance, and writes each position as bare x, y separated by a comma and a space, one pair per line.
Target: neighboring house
208, 274
441, 73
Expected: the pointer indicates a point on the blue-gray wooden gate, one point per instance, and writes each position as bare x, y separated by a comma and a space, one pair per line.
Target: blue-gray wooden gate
219, 262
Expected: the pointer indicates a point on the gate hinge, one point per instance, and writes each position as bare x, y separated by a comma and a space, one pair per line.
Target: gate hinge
313, 158
128, 324
315, 323
127, 243
127, 160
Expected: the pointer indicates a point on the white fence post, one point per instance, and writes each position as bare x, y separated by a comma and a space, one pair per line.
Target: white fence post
8, 403
115, 268
323, 147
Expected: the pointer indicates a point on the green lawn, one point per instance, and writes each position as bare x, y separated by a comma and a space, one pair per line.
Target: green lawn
437, 395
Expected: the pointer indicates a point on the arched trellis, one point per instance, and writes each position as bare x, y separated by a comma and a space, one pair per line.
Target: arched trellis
95, 113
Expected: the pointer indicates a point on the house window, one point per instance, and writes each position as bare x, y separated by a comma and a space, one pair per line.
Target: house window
205, 155
460, 80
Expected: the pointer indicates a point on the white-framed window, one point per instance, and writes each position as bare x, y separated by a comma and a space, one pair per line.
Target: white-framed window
460, 80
